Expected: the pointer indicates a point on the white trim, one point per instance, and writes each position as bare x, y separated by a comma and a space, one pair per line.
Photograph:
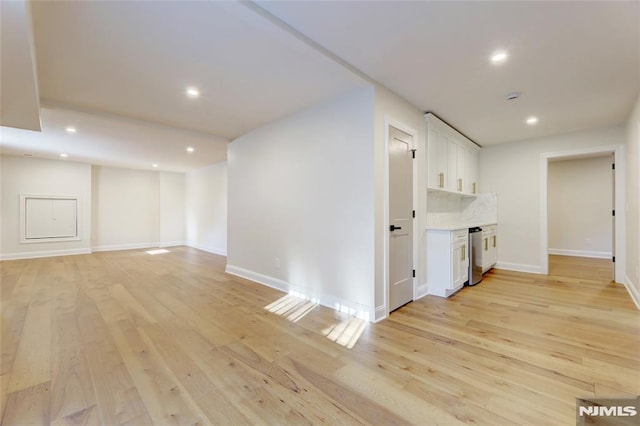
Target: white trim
421, 291
44, 253
23, 218
544, 218
633, 291
208, 249
620, 238
380, 313
356, 309
581, 253
391, 122
171, 244
519, 267
118, 247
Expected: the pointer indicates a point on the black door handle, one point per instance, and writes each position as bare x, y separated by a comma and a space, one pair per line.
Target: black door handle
393, 228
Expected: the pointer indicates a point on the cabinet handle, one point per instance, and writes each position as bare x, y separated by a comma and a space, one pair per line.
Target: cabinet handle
474, 187
494, 240
459, 184
441, 179
486, 244
463, 253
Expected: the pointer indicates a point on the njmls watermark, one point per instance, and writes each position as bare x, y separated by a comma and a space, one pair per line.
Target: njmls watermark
608, 411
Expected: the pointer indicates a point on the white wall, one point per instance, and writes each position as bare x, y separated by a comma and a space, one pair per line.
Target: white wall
632, 279
136, 208
512, 171
580, 200
206, 208
172, 208
391, 109
301, 191
34, 176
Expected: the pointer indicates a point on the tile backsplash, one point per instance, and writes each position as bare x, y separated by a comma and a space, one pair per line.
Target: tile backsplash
444, 209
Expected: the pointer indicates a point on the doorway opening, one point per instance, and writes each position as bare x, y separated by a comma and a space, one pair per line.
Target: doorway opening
581, 215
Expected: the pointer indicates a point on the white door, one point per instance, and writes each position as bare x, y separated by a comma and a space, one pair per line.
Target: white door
400, 218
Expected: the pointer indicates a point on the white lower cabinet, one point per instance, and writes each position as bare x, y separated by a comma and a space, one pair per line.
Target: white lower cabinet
489, 247
447, 261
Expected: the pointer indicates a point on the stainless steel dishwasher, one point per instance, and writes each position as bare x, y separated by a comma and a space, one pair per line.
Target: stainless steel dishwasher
475, 255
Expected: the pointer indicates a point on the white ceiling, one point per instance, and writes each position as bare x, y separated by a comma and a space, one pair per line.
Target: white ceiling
118, 70
576, 64
114, 141
136, 59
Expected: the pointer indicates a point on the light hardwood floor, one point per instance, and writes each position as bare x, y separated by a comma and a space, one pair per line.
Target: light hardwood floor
131, 338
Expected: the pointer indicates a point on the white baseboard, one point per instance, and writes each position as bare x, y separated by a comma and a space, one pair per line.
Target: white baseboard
208, 249
135, 246
519, 267
633, 291
171, 244
69, 252
581, 253
421, 291
380, 313
356, 309
44, 253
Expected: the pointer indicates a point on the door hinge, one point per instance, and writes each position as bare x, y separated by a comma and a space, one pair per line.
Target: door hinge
414, 213
613, 166
613, 212
414, 273
413, 153
614, 259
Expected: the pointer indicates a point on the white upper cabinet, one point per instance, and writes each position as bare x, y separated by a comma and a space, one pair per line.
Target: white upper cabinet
453, 159
471, 171
438, 152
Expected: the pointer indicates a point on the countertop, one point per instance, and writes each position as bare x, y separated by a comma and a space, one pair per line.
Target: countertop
458, 226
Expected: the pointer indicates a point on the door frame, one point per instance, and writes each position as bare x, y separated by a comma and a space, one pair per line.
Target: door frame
619, 194
388, 123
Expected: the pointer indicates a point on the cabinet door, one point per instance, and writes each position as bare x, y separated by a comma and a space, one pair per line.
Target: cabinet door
455, 166
464, 264
433, 180
493, 248
471, 171
485, 251
438, 151
461, 175
489, 248
460, 264
455, 267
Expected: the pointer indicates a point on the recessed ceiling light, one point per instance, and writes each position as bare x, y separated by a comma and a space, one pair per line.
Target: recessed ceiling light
512, 96
532, 120
64, 155
192, 92
70, 129
499, 57
190, 149
154, 165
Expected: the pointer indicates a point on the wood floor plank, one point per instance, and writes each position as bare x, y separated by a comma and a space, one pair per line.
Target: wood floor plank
71, 387
118, 398
204, 392
125, 337
364, 407
28, 406
32, 364
165, 399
